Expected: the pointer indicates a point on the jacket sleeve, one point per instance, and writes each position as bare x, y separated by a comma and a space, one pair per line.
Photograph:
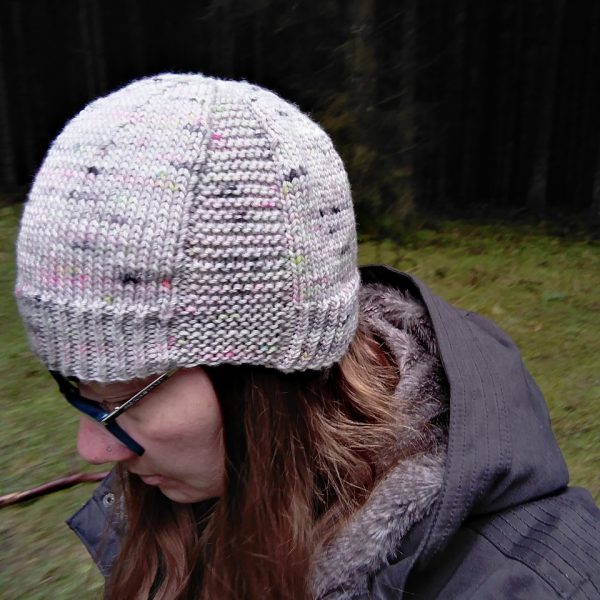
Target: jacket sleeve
549, 549
96, 525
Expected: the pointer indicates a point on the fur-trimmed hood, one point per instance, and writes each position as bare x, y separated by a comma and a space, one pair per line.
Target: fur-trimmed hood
366, 543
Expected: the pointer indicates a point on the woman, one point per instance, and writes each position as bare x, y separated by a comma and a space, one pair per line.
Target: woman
282, 425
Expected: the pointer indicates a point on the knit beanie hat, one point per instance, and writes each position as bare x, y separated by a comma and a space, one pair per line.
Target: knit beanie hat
184, 220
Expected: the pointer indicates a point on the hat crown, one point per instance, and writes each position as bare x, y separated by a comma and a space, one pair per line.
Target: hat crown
187, 220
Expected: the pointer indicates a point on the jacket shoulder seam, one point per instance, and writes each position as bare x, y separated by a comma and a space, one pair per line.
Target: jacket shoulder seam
511, 555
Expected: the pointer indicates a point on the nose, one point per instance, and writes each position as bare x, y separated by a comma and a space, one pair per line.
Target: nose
98, 446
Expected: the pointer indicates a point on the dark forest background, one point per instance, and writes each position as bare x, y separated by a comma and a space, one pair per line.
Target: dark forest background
446, 107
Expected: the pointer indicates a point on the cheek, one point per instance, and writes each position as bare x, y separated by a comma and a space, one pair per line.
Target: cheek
187, 422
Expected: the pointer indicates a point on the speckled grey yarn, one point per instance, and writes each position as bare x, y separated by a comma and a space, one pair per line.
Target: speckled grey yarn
185, 220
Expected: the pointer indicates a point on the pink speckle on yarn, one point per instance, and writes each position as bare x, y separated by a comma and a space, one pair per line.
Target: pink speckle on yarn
166, 284
216, 136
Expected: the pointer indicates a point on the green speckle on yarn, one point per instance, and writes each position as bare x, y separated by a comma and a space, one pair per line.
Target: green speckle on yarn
299, 260
108, 299
227, 316
269, 349
287, 187
218, 108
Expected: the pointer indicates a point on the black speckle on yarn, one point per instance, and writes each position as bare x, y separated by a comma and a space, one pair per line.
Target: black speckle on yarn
83, 245
302, 170
197, 193
331, 230
253, 99
231, 189
187, 165
227, 190
335, 209
321, 212
92, 171
130, 278
293, 174
345, 249
192, 128
282, 113
104, 148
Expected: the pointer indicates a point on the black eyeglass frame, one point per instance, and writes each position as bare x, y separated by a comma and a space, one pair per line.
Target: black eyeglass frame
93, 409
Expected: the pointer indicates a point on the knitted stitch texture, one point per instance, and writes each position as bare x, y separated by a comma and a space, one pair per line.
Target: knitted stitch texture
185, 220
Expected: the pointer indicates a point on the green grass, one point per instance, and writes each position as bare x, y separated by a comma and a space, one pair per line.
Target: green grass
545, 291
40, 557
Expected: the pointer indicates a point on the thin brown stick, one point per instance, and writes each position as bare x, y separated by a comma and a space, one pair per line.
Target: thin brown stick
62, 483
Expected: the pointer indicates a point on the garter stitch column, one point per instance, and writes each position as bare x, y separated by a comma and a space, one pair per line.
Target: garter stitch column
185, 220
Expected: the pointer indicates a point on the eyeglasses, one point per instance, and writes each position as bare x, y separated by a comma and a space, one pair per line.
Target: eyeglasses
69, 388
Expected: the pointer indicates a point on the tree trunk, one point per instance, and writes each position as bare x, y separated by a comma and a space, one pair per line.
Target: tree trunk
450, 124
222, 44
8, 170
595, 200
362, 63
257, 44
136, 35
537, 189
93, 47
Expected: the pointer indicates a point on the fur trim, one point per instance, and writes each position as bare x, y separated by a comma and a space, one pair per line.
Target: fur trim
406, 494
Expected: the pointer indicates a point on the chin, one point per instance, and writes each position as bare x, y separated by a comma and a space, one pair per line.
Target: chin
183, 496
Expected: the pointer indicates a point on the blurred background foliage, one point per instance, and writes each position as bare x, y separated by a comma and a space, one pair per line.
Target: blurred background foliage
458, 108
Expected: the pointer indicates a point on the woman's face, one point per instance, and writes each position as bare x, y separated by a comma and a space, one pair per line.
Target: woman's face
178, 424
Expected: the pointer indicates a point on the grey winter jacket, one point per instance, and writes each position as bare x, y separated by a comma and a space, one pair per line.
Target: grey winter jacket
485, 513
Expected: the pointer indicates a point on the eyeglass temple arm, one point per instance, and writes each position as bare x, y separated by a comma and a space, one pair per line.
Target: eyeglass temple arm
122, 436
137, 397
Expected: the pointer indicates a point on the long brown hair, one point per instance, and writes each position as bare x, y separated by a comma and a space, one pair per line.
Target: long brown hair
304, 450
